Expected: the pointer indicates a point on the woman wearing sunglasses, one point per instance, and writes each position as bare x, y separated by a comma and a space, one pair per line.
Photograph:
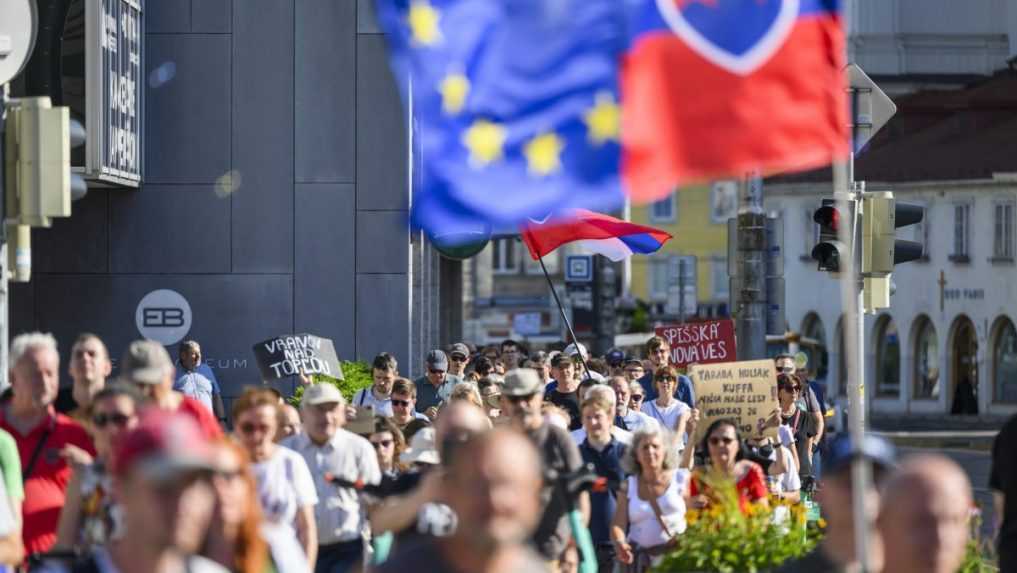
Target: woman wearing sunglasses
801, 424
88, 517
285, 486
725, 461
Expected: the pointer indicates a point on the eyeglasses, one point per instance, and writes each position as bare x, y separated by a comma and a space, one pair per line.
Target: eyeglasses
718, 441
117, 419
382, 444
400, 403
250, 428
520, 399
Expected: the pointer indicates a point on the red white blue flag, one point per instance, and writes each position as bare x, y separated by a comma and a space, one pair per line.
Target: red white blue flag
593, 232
714, 88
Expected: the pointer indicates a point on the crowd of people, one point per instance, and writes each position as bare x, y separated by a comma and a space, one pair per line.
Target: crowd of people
495, 460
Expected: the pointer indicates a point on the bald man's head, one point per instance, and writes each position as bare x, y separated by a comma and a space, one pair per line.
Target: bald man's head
924, 517
493, 484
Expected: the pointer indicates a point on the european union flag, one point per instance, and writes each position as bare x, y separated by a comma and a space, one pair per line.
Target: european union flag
515, 106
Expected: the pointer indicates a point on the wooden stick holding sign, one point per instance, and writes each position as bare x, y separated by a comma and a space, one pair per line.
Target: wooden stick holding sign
742, 391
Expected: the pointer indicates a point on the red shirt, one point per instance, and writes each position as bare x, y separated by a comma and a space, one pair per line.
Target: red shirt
751, 487
206, 421
44, 488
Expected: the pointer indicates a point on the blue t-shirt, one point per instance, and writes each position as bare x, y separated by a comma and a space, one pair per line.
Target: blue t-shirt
606, 464
683, 391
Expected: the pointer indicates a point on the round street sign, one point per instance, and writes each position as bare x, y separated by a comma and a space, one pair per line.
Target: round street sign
17, 36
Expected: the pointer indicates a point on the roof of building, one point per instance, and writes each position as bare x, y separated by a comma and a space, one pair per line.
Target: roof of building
941, 135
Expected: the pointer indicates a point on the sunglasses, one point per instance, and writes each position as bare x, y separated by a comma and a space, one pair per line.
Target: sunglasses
119, 420
458, 359
637, 397
382, 444
400, 403
667, 379
718, 441
429, 371
520, 399
786, 369
250, 428
791, 389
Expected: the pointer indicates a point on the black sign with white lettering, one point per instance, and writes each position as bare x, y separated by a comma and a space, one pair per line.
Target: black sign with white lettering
114, 125
291, 354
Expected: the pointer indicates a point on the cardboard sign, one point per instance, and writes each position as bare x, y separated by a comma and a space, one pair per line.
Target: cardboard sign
290, 354
743, 391
706, 342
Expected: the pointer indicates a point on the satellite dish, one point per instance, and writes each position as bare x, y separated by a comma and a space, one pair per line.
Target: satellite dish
17, 36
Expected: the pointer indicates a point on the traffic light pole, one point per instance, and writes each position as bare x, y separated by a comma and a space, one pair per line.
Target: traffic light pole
750, 317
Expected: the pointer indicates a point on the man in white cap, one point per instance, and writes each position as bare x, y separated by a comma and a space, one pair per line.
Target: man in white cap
578, 353
331, 451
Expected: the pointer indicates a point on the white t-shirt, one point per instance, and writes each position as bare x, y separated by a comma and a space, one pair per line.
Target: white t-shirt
785, 435
287, 553
637, 420
667, 416
365, 397
284, 485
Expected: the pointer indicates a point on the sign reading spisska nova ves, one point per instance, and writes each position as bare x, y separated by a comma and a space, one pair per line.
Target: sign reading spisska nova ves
113, 83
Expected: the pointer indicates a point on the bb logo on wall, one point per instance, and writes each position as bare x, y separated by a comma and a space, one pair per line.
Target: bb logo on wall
163, 315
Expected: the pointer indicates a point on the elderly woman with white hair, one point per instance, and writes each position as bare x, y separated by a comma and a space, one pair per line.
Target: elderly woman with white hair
651, 502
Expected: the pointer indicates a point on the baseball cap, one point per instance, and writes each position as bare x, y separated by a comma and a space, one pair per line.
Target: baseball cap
615, 357
576, 348
841, 452
162, 446
322, 394
521, 382
633, 361
437, 360
145, 362
422, 449
459, 349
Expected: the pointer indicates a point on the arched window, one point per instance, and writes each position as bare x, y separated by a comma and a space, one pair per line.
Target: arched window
926, 361
887, 358
1004, 361
814, 346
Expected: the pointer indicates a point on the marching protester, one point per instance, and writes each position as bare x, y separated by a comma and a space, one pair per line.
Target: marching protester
521, 399
334, 453
564, 391
723, 443
801, 424
458, 359
493, 485
658, 351
147, 366
388, 444
384, 371
540, 362
604, 452
836, 551
665, 409
512, 354
807, 401
626, 417
89, 516
289, 422
632, 369
285, 487
606, 394
40, 433
435, 385
239, 538
404, 404
650, 510
89, 368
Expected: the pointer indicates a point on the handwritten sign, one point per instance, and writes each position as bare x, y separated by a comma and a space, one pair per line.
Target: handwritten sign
743, 391
700, 342
291, 354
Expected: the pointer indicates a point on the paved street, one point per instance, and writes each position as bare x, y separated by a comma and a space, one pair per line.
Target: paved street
976, 464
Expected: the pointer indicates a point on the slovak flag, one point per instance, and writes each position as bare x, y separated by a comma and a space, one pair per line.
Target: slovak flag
594, 232
714, 88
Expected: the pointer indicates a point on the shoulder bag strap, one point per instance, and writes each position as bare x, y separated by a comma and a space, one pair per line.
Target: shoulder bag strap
658, 512
37, 451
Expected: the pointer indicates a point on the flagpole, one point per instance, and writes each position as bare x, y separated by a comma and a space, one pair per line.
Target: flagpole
564, 317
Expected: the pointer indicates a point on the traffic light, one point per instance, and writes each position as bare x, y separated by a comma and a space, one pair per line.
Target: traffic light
829, 251
37, 157
881, 249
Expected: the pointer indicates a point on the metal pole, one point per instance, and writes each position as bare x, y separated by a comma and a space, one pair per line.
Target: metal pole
564, 317
750, 324
854, 338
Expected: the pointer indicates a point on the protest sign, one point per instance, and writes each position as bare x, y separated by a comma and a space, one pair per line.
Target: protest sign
705, 342
290, 354
743, 391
